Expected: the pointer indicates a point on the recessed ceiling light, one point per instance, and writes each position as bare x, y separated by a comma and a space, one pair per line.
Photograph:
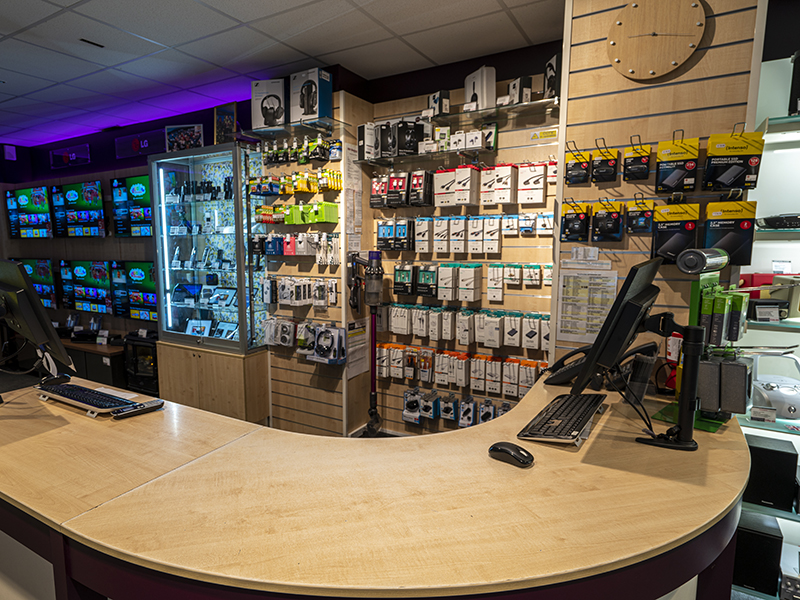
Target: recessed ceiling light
92, 43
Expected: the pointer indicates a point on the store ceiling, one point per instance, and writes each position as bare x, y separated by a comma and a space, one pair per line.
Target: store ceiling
166, 57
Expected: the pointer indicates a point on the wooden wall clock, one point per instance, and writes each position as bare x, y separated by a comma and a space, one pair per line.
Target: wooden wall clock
650, 38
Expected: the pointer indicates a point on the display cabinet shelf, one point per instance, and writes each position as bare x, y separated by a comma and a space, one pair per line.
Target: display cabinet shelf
324, 125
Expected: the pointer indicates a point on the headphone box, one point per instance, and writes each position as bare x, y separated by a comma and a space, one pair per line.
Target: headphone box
408, 136
368, 142
481, 87
268, 103
311, 95
440, 102
520, 90
387, 132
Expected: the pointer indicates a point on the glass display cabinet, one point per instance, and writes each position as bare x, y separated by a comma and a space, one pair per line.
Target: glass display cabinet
210, 287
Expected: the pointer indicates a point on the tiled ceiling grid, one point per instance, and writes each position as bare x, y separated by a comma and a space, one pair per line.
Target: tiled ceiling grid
71, 68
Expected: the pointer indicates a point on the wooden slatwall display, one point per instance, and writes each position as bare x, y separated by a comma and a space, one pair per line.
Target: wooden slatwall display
110, 248
706, 95
309, 397
515, 145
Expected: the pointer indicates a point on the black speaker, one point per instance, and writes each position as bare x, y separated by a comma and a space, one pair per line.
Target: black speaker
757, 565
773, 467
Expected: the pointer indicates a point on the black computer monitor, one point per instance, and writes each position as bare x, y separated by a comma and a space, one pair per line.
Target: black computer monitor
22, 311
630, 307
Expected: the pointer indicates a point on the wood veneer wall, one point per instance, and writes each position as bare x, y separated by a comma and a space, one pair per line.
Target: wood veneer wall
706, 95
514, 146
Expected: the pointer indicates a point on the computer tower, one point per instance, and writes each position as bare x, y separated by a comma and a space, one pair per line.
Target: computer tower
757, 565
773, 466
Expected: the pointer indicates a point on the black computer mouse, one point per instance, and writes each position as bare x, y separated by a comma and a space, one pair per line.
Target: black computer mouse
511, 453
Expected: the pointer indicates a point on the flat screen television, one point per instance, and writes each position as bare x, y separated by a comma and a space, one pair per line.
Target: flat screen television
132, 207
29, 213
86, 285
142, 297
82, 214
40, 272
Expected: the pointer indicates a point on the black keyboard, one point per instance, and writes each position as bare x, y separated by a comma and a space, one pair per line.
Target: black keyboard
82, 397
564, 419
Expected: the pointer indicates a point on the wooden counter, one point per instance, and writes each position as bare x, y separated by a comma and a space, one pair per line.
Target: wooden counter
269, 510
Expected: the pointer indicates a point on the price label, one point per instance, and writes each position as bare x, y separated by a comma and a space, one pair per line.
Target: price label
187, 264
470, 106
103, 333
215, 264
427, 113
190, 302
143, 333
195, 229
183, 230
77, 328
107, 361
173, 230
101, 341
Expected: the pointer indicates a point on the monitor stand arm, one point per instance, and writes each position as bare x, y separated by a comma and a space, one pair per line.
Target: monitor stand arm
679, 437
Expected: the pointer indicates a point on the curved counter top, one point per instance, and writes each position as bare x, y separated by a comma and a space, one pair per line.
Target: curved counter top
416, 516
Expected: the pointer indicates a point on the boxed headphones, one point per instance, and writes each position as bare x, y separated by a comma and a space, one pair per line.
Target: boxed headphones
480, 88
329, 346
408, 136
311, 95
440, 102
387, 133
268, 103
368, 142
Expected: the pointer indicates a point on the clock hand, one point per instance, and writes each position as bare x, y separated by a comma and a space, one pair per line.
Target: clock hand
654, 34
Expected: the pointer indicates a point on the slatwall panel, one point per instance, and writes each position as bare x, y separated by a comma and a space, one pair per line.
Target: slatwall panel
306, 397
514, 146
106, 249
707, 95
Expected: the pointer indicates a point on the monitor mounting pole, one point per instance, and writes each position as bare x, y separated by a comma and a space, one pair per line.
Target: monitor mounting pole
679, 437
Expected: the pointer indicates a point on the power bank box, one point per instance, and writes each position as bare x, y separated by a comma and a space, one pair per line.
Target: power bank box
675, 229
311, 95
730, 226
368, 146
531, 182
481, 87
440, 102
733, 160
268, 103
676, 165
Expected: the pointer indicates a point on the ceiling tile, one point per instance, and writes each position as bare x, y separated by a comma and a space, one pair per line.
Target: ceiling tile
249, 10
229, 46
380, 59
5, 129
175, 68
18, 84
4, 97
17, 120
349, 30
61, 92
169, 23
16, 14
94, 102
229, 90
63, 129
182, 102
64, 32
478, 37
96, 120
45, 110
139, 112
542, 21
266, 58
288, 68
27, 58
415, 15
118, 83
286, 25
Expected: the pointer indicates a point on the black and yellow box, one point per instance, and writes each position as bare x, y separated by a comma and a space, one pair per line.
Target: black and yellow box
733, 160
730, 226
676, 165
675, 230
